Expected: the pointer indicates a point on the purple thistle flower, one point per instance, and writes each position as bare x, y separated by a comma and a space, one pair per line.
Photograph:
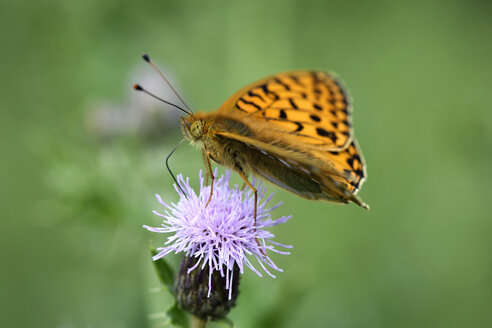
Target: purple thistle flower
222, 234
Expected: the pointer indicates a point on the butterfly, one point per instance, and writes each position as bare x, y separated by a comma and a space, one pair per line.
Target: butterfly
293, 129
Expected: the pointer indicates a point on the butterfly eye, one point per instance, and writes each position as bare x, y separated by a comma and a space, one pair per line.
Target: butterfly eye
196, 129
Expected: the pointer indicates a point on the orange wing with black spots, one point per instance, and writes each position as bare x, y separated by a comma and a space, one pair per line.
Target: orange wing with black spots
350, 163
298, 133
311, 105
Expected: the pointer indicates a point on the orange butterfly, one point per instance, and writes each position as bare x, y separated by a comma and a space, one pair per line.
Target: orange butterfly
293, 129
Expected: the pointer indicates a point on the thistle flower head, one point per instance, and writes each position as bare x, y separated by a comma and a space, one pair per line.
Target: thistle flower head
223, 234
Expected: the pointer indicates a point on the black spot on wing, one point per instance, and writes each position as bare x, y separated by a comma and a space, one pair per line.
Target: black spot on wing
238, 105
287, 87
315, 118
328, 134
293, 104
250, 103
322, 132
350, 161
359, 172
314, 76
296, 80
282, 114
267, 92
255, 95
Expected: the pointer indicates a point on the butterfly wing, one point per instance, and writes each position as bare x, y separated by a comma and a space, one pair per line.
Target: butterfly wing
300, 123
310, 105
300, 172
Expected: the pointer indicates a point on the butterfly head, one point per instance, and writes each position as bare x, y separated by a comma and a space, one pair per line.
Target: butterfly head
193, 127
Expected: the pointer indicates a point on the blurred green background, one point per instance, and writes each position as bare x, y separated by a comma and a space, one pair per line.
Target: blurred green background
83, 156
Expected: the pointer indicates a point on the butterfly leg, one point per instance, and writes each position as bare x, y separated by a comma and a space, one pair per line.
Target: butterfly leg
252, 188
256, 205
205, 157
209, 166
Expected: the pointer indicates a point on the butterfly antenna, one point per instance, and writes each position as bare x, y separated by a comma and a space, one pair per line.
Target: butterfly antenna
169, 169
139, 88
147, 59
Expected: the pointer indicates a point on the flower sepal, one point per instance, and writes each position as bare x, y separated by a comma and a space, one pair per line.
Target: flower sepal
176, 315
164, 271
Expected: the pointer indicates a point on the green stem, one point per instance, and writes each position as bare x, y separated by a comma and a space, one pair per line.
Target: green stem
197, 322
